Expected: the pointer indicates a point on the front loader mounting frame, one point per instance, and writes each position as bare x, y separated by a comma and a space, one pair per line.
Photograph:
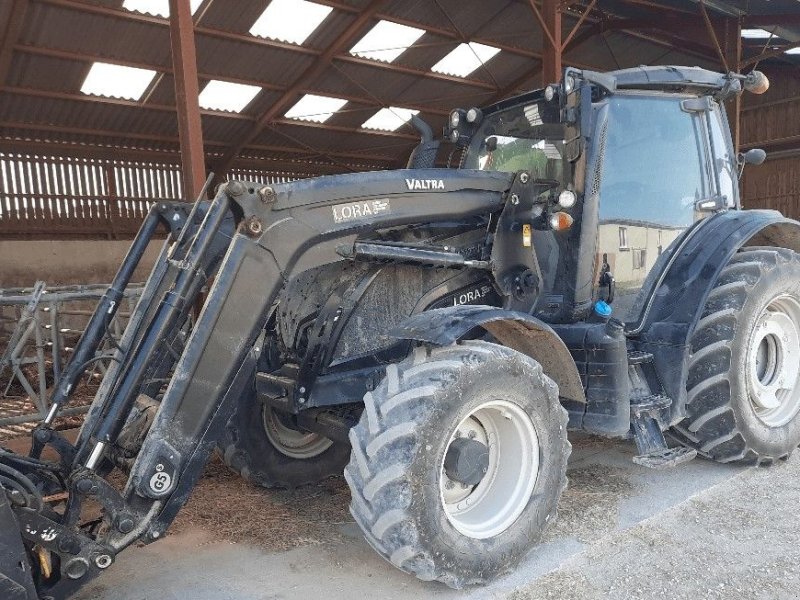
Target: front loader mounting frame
177, 392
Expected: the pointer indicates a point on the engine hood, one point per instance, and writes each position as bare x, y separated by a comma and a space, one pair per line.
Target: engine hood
388, 183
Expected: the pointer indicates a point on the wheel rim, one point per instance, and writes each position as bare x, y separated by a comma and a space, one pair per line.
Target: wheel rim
291, 442
773, 362
490, 507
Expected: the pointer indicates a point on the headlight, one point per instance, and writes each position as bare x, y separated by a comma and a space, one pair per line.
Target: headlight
569, 84
455, 118
454, 135
567, 199
550, 93
474, 115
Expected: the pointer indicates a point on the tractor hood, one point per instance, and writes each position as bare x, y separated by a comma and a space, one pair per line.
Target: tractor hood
388, 183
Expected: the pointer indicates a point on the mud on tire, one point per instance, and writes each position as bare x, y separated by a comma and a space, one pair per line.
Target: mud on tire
725, 421
398, 451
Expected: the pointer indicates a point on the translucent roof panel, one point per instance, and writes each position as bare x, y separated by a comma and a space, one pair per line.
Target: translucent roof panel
116, 81
290, 20
756, 33
159, 8
315, 108
465, 59
389, 119
230, 97
386, 41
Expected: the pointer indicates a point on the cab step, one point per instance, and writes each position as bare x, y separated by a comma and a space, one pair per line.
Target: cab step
665, 458
653, 450
638, 357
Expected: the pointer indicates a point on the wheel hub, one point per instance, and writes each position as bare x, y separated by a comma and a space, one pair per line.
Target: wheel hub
489, 469
292, 442
466, 461
773, 362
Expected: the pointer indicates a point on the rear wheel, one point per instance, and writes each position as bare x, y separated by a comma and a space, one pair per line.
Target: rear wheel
458, 462
267, 449
743, 387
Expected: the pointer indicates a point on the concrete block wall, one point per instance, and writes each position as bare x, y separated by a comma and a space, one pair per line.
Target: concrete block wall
65, 262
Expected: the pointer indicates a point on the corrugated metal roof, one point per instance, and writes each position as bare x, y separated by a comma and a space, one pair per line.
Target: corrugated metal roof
41, 93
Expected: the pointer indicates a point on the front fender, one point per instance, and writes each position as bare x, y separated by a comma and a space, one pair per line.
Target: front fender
516, 330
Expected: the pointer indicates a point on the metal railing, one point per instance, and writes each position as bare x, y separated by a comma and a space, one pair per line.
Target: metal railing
39, 327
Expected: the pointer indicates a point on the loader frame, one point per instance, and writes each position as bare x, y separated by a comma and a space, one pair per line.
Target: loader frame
276, 236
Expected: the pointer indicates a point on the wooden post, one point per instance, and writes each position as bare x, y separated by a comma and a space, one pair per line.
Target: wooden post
184, 64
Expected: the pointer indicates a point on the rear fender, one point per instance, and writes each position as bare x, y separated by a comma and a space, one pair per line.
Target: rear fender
516, 330
677, 304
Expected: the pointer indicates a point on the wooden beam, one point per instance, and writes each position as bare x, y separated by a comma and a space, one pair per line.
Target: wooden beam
11, 36
343, 42
184, 66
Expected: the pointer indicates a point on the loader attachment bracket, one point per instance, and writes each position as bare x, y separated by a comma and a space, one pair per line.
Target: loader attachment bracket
16, 580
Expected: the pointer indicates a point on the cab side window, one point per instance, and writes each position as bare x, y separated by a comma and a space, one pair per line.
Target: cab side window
724, 158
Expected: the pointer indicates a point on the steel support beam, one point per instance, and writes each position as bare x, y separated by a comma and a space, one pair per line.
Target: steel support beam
551, 42
90, 58
184, 66
11, 34
731, 42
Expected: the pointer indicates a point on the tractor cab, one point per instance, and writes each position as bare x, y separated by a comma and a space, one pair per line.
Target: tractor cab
634, 157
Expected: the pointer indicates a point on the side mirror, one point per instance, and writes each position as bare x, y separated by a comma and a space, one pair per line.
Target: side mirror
756, 156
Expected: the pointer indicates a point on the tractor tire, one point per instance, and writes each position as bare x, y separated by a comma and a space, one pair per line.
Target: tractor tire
403, 497
743, 385
262, 446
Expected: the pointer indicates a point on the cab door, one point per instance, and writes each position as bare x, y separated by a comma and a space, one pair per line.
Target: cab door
655, 170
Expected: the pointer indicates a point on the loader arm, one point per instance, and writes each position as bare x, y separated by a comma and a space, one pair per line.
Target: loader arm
280, 231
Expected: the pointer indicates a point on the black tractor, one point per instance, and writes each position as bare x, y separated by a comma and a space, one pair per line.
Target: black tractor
434, 332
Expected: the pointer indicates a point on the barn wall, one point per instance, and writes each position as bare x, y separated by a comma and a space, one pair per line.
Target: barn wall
772, 122
62, 262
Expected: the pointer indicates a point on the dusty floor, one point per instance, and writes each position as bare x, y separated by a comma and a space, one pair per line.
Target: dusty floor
703, 531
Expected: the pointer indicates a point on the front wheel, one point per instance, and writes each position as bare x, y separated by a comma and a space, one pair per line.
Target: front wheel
743, 387
458, 462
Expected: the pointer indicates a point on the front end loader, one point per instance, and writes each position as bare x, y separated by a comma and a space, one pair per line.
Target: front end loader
433, 333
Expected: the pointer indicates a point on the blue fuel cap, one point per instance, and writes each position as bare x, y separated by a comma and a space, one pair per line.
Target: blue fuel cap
603, 309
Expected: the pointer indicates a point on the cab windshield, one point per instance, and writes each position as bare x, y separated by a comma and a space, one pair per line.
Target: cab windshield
526, 137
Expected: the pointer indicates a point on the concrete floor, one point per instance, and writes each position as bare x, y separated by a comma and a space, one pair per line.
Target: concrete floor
701, 531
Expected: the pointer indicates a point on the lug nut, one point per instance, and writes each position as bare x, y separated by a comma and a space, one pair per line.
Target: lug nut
254, 226
103, 561
267, 194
